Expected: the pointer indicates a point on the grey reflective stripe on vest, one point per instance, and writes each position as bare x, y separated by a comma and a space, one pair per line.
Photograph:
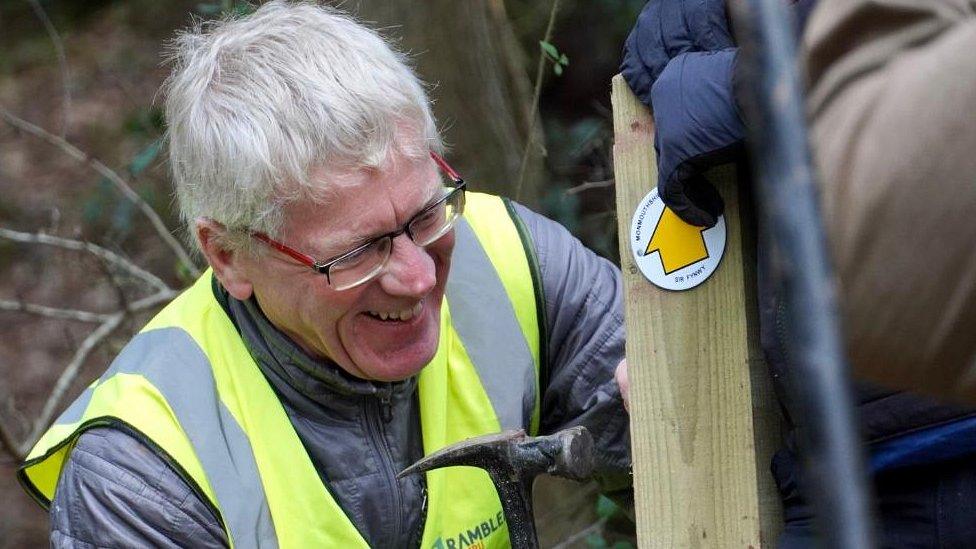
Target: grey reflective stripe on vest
219, 442
485, 320
76, 411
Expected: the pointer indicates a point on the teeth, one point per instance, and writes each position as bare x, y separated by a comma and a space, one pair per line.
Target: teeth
403, 315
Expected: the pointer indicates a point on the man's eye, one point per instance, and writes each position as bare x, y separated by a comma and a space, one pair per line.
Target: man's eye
356, 258
429, 218
345, 247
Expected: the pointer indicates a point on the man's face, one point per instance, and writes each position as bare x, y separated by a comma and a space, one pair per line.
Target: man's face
346, 326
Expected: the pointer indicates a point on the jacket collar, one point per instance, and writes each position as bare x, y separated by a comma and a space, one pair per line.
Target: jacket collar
282, 360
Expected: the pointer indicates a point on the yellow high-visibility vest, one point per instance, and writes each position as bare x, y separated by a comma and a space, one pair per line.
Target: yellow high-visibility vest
188, 388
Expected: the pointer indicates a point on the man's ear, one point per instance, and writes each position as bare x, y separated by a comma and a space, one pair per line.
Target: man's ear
229, 266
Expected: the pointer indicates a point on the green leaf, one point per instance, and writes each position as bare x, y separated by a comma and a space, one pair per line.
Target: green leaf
605, 507
145, 157
98, 201
243, 8
596, 541
563, 60
122, 215
550, 50
558, 69
208, 9
183, 273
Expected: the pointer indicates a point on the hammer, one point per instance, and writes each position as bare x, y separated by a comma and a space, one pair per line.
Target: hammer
512, 460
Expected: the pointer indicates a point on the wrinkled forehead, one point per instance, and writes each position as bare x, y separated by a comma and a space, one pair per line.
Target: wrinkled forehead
409, 143
352, 204
402, 157
413, 176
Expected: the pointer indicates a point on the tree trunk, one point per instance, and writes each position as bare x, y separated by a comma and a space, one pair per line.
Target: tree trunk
469, 57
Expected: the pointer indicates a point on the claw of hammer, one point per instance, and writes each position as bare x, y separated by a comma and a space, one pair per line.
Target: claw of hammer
512, 460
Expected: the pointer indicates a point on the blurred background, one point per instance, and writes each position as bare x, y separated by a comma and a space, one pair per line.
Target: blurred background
521, 91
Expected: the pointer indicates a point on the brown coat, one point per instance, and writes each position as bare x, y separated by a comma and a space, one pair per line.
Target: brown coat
893, 107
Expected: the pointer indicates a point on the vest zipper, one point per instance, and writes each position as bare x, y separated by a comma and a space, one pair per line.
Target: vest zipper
381, 409
386, 409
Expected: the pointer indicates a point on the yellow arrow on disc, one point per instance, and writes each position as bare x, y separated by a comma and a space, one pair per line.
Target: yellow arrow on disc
679, 243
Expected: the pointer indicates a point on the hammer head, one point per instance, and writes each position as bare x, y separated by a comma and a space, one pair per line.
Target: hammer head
568, 453
512, 460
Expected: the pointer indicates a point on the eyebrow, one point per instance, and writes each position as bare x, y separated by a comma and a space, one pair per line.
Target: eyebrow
434, 196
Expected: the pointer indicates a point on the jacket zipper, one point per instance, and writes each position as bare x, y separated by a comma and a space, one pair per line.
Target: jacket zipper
386, 409
378, 412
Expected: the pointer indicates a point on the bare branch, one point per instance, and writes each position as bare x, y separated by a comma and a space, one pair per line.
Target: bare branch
62, 61
582, 534
590, 185
94, 249
106, 269
69, 374
91, 342
121, 184
109, 323
539, 74
52, 312
154, 300
515, 61
9, 442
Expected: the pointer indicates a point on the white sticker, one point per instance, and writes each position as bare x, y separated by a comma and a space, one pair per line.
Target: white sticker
671, 253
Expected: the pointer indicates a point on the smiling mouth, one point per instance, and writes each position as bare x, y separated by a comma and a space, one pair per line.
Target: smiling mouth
402, 315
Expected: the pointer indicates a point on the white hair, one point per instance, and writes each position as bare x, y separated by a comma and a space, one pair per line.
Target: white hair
253, 104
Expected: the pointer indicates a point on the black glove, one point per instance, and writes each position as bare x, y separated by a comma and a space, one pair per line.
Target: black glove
679, 60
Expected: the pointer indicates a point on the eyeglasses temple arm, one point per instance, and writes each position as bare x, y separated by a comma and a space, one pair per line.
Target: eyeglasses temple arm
446, 168
293, 253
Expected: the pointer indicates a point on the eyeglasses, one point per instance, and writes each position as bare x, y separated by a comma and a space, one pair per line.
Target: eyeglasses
364, 263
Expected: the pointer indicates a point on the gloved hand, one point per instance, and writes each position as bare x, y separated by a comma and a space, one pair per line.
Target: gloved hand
679, 60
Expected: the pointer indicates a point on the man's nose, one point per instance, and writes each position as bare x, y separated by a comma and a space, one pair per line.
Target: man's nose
410, 271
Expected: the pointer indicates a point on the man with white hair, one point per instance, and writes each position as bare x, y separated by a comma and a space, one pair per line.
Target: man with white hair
362, 309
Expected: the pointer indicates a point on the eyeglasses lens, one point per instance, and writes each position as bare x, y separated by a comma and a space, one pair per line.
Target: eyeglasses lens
359, 268
437, 221
426, 228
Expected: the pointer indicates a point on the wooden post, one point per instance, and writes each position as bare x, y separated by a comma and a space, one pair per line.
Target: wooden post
704, 421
